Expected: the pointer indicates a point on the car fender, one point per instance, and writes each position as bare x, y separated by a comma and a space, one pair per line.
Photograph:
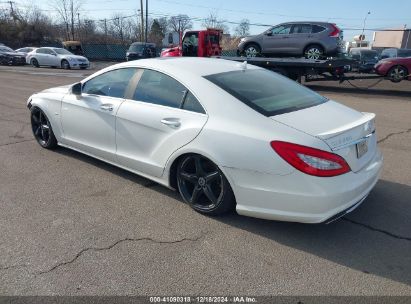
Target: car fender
50, 104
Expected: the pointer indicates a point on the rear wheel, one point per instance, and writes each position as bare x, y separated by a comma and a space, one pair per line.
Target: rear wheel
397, 73
65, 64
314, 52
203, 186
252, 50
34, 62
42, 130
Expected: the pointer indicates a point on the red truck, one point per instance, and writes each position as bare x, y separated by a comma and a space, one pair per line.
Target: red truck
203, 43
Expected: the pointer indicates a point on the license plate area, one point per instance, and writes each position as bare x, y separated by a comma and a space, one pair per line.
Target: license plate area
361, 148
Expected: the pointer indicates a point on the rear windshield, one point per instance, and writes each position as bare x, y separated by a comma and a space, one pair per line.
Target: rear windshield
266, 92
404, 53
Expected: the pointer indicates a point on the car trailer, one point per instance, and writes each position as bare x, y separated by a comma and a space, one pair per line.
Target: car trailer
313, 70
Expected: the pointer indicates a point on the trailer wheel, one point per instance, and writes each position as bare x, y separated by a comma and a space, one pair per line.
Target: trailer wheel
397, 73
252, 50
314, 51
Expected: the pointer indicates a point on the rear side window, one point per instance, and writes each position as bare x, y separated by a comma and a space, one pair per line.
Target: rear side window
112, 83
266, 92
301, 29
158, 88
317, 29
192, 104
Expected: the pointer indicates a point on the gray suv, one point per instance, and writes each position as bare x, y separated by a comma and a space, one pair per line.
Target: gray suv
313, 40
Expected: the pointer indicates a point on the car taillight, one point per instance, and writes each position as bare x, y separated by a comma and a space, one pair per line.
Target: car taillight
335, 31
310, 160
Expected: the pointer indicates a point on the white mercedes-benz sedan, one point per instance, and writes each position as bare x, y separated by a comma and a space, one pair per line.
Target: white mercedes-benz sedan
227, 135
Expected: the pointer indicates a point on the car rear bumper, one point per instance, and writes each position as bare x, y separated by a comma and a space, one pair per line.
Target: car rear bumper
298, 197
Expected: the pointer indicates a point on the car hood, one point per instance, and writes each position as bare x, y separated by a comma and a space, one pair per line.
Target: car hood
58, 90
13, 54
340, 127
74, 57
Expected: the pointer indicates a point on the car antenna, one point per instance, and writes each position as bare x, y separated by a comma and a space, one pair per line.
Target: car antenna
243, 65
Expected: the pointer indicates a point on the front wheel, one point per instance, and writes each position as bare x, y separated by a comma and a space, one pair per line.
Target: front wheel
34, 62
397, 73
42, 130
203, 186
252, 50
65, 64
314, 52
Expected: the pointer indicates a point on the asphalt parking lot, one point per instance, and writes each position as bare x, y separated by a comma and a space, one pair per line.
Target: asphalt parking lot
72, 225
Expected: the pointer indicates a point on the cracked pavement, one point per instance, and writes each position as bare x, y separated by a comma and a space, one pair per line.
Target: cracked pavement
72, 225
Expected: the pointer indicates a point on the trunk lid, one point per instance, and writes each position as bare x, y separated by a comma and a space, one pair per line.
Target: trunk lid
347, 132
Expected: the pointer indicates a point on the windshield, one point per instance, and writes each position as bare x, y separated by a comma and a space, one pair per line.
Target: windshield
404, 53
5, 49
62, 52
137, 48
266, 92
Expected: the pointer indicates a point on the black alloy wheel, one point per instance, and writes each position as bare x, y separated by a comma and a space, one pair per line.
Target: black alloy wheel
203, 186
42, 130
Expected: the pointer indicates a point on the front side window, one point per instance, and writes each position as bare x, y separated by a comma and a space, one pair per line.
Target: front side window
281, 30
266, 92
62, 52
112, 83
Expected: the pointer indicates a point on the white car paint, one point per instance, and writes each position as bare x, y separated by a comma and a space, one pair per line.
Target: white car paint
231, 134
50, 56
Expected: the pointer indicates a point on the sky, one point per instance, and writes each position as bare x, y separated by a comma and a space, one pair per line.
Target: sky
348, 14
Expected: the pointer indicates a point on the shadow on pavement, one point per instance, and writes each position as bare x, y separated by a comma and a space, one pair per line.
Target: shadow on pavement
374, 239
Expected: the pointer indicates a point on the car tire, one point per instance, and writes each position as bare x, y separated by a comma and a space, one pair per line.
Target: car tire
34, 62
65, 64
203, 185
42, 129
314, 51
397, 73
252, 50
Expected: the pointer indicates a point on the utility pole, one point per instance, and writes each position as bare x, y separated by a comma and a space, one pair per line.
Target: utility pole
105, 29
146, 19
142, 20
78, 27
72, 19
363, 28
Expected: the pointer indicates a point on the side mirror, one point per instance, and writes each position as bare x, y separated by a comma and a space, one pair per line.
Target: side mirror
76, 89
268, 33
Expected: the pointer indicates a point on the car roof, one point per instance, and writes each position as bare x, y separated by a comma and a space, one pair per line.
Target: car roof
191, 65
307, 22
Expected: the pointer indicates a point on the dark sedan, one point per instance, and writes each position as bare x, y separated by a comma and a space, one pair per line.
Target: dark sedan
11, 57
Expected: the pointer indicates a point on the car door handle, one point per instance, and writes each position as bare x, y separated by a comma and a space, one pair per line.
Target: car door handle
171, 122
107, 107
286, 37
